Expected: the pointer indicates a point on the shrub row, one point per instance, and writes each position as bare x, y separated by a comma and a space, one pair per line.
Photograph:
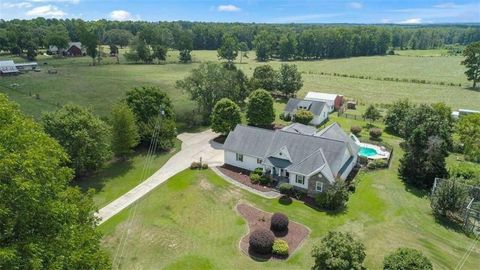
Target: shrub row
390, 79
257, 177
377, 164
198, 166
262, 241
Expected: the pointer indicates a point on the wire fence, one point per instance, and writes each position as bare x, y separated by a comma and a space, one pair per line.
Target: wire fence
470, 211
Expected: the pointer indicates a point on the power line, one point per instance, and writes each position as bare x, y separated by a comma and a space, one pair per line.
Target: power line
465, 256
132, 213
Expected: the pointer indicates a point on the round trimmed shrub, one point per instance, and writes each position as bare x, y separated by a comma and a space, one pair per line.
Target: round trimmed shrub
406, 258
279, 222
265, 180
356, 130
280, 247
375, 133
261, 241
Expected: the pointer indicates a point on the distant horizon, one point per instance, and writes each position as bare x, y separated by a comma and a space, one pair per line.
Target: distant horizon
407, 12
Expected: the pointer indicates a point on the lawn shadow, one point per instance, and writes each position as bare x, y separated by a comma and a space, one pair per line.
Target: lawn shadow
259, 257
98, 179
420, 193
449, 224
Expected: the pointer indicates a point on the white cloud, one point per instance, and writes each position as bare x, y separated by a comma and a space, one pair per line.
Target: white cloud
411, 21
16, 5
442, 12
48, 11
355, 5
123, 15
228, 8
55, 1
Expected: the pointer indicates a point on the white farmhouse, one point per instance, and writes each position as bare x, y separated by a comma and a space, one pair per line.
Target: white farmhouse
333, 101
310, 162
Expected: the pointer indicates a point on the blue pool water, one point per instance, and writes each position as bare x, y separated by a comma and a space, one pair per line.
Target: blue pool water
367, 152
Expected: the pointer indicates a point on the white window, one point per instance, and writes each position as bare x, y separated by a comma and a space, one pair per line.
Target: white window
319, 186
259, 161
239, 157
300, 179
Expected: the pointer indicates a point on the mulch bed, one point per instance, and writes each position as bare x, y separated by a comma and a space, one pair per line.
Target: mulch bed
257, 219
242, 176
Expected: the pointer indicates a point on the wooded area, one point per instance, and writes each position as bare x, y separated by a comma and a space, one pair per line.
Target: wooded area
285, 41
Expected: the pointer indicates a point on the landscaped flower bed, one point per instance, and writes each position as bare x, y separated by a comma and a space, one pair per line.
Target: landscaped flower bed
259, 220
242, 176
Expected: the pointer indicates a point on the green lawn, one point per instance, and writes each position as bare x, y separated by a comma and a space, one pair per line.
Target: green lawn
98, 87
190, 222
119, 176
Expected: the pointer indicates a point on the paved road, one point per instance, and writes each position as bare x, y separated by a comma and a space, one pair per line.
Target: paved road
194, 146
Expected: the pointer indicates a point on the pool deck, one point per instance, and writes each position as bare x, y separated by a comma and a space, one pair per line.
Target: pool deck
382, 152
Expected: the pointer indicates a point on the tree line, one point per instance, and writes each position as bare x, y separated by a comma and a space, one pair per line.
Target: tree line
284, 41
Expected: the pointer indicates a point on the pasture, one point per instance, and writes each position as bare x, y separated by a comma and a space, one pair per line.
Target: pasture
98, 87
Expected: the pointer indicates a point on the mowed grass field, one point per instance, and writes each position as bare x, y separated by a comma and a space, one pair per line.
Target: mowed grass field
98, 87
191, 223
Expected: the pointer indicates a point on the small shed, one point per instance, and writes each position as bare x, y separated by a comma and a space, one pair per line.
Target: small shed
334, 101
26, 66
8, 67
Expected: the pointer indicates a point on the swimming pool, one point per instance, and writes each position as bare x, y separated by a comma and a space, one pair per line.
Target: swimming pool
367, 152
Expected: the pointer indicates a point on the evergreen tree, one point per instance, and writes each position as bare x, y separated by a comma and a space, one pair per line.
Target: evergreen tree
260, 111
124, 130
225, 116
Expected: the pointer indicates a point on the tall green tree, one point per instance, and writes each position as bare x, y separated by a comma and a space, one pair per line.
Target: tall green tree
396, 116
260, 111
472, 62
287, 47
338, 251
153, 108
243, 48
226, 116
89, 39
84, 137
45, 223
372, 114
229, 48
120, 37
211, 82
427, 140
289, 80
468, 129
57, 35
124, 130
263, 45
264, 77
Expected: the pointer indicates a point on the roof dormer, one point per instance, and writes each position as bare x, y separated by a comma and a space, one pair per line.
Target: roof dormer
282, 154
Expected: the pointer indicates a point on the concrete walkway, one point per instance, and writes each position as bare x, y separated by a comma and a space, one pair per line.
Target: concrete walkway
266, 194
194, 147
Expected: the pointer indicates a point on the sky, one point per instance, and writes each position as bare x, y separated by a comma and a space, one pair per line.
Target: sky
260, 11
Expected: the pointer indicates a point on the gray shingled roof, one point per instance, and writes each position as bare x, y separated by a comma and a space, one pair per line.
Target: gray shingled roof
334, 131
308, 153
249, 140
316, 107
300, 129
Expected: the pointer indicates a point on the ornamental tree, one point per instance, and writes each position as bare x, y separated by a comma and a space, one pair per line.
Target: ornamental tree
303, 116
260, 111
406, 258
225, 116
338, 251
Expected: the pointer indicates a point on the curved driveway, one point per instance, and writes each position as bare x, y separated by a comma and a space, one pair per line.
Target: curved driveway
194, 147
